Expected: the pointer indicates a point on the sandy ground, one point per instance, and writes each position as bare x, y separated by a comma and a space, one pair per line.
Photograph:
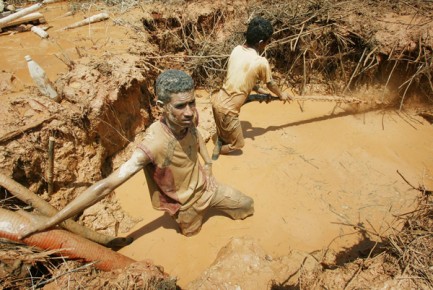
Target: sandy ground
312, 174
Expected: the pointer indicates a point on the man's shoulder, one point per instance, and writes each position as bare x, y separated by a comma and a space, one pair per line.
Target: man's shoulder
237, 48
241, 50
154, 132
154, 125
154, 141
248, 54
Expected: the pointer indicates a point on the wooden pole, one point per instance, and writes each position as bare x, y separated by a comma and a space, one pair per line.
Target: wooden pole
50, 173
91, 19
4, 21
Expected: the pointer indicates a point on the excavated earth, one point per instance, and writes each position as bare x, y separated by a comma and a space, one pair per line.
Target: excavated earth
328, 177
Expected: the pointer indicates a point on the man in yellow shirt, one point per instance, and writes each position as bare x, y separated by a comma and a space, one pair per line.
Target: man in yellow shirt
169, 154
246, 68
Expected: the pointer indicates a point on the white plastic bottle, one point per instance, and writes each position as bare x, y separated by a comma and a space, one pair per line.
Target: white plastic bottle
40, 78
39, 31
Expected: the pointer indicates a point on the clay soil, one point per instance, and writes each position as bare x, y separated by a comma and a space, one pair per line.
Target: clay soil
341, 176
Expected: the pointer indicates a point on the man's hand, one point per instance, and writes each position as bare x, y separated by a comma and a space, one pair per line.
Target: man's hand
285, 97
210, 180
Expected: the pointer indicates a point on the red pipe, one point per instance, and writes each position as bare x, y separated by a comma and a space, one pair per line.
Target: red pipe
70, 245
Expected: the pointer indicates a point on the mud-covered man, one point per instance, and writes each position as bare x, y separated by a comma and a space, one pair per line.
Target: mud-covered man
246, 69
169, 154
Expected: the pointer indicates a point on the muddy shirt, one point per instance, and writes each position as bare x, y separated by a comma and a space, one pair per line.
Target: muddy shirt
245, 69
174, 177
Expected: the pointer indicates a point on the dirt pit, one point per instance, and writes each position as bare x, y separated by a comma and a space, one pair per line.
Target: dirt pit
316, 179
328, 178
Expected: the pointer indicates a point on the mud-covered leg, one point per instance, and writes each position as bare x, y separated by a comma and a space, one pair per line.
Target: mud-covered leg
189, 221
233, 202
229, 132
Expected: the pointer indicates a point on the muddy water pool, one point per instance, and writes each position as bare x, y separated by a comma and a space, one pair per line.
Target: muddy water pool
314, 176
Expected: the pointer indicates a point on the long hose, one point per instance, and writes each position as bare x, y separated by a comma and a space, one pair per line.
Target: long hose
69, 245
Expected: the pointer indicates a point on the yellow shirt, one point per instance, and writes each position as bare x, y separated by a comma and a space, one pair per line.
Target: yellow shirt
245, 69
175, 177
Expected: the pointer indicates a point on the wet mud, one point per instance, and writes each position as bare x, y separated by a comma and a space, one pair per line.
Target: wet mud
323, 175
316, 177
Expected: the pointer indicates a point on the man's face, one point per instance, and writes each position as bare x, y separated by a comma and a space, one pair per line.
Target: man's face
181, 109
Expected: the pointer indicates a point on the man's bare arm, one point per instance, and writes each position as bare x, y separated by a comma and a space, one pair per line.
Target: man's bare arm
96, 192
259, 90
203, 149
272, 86
210, 180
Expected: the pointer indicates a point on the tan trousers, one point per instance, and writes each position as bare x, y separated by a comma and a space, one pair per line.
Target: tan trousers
227, 199
229, 130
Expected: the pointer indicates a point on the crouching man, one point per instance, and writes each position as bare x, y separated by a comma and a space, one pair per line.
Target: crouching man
246, 68
169, 154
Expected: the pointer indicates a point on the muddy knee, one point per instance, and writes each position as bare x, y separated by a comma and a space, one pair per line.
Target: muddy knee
226, 149
245, 209
240, 143
189, 222
249, 206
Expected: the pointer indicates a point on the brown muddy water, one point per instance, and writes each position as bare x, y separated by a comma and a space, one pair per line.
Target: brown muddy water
314, 173
314, 177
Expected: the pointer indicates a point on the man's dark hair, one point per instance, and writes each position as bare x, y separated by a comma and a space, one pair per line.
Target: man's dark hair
172, 82
258, 29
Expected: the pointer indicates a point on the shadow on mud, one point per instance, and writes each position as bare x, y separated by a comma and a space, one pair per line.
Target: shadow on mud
252, 132
164, 221
167, 222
